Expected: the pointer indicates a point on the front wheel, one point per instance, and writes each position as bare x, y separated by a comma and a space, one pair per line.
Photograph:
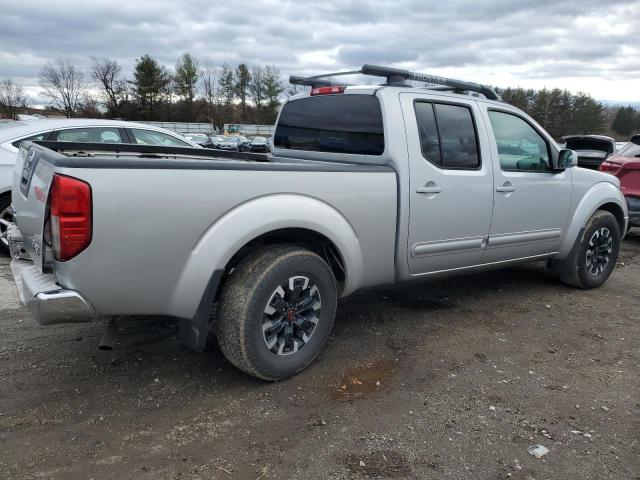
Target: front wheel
276, 311
594, 255
5, 219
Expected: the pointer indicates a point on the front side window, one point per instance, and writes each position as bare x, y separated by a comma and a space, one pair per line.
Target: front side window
447, 135
520, 146
90, 135
332, 123
39, 136
151, 137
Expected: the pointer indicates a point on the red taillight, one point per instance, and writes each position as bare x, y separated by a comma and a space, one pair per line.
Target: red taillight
609, 167
71, 225
327, 90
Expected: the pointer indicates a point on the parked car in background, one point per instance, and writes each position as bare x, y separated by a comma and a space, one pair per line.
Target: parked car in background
626, 166
592, 150
228, 143
200, 138
244, 144
259, 144
70, 130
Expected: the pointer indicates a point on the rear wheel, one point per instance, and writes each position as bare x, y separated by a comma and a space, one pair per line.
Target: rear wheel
594, 255
5, 219
276, 311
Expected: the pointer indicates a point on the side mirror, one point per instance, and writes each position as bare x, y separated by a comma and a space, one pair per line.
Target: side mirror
567, 159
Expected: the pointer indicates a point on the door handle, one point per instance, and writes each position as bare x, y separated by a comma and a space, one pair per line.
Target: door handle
429, 189
506, 188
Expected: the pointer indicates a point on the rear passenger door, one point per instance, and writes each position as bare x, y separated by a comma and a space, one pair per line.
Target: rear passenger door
450, 186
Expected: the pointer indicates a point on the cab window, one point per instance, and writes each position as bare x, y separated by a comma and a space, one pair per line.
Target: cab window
520, 146
151, 137
447, 135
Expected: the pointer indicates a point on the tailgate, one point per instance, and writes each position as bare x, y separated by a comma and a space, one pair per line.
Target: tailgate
31, 180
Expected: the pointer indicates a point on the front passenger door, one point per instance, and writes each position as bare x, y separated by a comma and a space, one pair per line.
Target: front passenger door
531, 201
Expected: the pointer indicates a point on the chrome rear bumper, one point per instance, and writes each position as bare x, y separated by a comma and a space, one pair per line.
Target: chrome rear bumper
48, 302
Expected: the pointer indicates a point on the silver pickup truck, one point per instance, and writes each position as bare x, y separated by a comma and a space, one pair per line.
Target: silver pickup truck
366, 185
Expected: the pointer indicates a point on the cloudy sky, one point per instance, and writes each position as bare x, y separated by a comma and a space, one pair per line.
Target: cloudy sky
585, 45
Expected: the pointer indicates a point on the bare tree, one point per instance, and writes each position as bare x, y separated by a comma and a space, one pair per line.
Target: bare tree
256, 88
106, 73
64, 84
209, 81
12, 98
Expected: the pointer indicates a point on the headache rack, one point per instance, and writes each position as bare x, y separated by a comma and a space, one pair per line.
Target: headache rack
116, 150
397, 77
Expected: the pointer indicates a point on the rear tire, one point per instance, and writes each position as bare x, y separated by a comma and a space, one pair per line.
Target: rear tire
5, 216
276, 311
594, 254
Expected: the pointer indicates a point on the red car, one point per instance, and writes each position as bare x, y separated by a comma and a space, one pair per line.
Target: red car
626, 166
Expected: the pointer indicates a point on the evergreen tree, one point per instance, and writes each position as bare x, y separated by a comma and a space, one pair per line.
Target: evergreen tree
186, 81
150, 84
242, 79
626, 121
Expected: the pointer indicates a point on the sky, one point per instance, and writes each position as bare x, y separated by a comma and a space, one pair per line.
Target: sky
586, 45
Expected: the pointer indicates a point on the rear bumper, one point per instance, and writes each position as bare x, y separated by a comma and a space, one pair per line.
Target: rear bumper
48, 302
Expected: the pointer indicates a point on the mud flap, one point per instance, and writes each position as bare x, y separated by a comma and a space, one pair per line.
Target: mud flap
194, 331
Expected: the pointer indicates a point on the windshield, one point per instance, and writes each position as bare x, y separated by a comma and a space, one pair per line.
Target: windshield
258, 139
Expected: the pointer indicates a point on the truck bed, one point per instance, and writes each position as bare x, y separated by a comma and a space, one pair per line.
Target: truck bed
165, 219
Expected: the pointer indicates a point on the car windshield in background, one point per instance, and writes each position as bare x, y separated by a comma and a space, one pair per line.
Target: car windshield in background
332, 123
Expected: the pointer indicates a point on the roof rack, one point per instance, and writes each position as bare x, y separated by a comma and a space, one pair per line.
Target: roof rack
398, 77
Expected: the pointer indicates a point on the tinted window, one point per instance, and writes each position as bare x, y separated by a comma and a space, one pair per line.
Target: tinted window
428, 131
90, 134
520, 146
151, 137
447, 135
332, 123
39, 136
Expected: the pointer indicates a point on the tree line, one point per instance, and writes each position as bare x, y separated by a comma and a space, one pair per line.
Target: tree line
189, 92
193, 91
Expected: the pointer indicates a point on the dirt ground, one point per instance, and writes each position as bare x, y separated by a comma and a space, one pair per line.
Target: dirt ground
449, 379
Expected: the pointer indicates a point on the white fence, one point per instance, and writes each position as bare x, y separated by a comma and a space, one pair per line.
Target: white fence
184, 127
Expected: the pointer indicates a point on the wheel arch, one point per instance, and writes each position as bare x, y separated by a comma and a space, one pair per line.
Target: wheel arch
262, 221
602, 196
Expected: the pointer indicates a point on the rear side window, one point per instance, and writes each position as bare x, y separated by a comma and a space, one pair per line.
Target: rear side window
332, 123
447, 135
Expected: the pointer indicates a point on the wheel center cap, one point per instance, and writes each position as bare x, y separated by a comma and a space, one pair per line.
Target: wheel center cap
291, 314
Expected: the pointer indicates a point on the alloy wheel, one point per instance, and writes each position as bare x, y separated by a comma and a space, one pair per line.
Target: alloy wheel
599, 251
291, 315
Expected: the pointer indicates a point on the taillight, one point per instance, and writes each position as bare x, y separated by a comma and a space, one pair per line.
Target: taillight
609, 167
326, 90
71, 222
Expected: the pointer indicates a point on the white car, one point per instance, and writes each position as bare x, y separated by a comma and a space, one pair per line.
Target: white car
71, 130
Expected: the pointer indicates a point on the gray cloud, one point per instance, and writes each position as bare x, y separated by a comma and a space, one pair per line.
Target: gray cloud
518, 40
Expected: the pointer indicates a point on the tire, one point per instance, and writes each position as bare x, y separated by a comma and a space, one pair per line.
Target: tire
594, 255
5, 203
262, 329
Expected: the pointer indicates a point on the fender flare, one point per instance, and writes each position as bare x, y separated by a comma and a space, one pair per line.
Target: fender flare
600, 194
249, 220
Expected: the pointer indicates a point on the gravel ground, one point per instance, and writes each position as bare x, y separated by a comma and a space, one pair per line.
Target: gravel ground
450, 379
